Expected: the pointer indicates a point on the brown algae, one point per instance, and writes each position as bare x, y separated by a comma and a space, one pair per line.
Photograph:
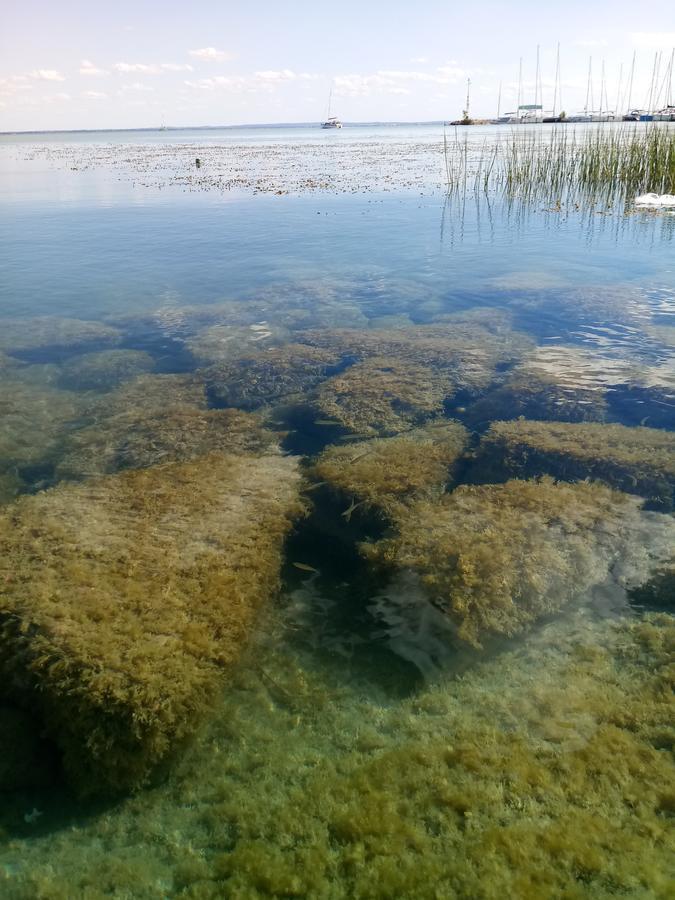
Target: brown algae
636, 460
54, 333
382, 473
124, 600
496, 558
105, 369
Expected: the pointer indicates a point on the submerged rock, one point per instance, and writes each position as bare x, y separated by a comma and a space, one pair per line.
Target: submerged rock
383, 396
136, 440
33, 419
495, 558
222, 343
635, 460
53, 333
383, 473
269, 376
149, 395
126, 599
104, 370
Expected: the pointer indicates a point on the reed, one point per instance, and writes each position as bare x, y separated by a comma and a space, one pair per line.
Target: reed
613, 165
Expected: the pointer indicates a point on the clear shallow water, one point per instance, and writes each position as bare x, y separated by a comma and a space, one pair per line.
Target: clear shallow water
347, 694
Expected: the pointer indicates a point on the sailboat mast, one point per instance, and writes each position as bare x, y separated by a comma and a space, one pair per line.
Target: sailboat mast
557, 80
330, 97
588, 83
618, 93
499, 100
630, 86
520, 86
536, 83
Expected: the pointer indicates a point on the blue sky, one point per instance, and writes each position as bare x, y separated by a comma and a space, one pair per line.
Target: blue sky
73, 64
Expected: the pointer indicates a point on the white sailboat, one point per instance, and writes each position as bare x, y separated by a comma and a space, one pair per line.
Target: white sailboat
331, 121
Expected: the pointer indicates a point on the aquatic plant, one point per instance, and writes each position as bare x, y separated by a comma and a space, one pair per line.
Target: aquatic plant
496, 558
148, 395
124, 600
53, 333
104, 370
138, 439
635, 460
382, 473
268, 376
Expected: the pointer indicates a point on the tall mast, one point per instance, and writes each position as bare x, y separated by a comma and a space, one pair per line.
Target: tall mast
630, 86
499, 100
520, 86
536, 82
618, 93
330, 97
557, 80
588, 82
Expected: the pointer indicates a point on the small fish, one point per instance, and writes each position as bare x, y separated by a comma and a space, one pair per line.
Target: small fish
305, 568
32, 817
359, 456
347, 514
313, 487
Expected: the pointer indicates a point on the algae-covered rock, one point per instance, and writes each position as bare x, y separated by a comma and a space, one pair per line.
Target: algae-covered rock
383, 396
53, 333
10, 485
105, 369
495, 558
135, 440
467, 353
635, 460
125, 600
382, 473
269, 376
221, 343
149, 395
32, 421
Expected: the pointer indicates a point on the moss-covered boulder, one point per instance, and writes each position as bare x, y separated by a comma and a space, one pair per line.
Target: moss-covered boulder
53, 334
635, 460
383, 396
269, 376
493, 559
221, 343
136, 440
105, 369
383, 473
124, 601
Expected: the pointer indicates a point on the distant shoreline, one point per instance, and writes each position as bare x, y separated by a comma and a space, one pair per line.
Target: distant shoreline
212, 127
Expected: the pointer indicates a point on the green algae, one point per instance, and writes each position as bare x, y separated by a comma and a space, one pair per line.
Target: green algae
266, 377
53, 333
635, 460
125, 599
105, 369
496, 558
382, 473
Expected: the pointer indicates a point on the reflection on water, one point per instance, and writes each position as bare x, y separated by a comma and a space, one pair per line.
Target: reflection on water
337, 543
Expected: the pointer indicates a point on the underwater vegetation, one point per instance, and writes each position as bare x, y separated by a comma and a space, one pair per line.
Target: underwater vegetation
383, 396
496, 558
126, 599
53, 333
546, 771
138, 439
221, 343
104, 370
636, 460
383, 473
268, 376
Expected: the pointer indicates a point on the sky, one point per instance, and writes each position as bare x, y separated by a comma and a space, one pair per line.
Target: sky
68, 64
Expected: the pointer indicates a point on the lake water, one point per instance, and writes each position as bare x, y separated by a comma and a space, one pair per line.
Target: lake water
460, 688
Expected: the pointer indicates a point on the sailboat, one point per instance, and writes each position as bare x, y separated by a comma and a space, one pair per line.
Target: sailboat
331, 121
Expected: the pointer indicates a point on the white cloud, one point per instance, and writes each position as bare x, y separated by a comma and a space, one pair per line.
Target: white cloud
94, 95
47, 75
87, 67
653, 40
419, 60
210, 53
13, 84
176, 67
136, 86
396, 81
136, 67
62, 96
